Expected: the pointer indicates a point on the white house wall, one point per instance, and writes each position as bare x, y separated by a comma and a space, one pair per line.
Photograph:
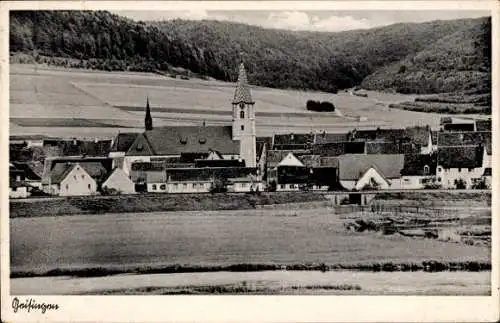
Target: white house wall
77, 182
449, 176
119, 181
18, 192
371, 174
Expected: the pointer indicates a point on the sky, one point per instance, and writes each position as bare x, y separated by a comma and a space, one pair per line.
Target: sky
307, 20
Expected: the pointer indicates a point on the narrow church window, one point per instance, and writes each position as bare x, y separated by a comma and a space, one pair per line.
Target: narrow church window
242, 127
242, 114
88, 186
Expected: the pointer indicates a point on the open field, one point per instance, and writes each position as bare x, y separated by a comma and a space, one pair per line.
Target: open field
113, 102
266, 282
215, 238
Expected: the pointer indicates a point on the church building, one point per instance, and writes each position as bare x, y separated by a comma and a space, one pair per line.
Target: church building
231, 142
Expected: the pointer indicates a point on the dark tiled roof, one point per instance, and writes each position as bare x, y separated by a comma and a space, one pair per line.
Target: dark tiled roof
77, 147
123, 141
414, 164
351, 167
459, 127
219, 163
376, 147
293, 139
310, 161
378, 134
466, 138
185, 139
460, 156
323, 138
339, 148
204, 174
418, 135
32, 170
332, 162
483, 125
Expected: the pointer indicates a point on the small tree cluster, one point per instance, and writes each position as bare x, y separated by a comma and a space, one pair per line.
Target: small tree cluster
318, 106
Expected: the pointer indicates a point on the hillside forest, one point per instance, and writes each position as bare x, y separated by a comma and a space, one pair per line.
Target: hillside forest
421, 58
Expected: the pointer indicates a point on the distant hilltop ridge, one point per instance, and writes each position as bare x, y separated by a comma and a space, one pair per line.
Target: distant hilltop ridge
422, 58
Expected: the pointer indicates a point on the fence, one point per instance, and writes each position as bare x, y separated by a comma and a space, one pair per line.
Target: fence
392, 209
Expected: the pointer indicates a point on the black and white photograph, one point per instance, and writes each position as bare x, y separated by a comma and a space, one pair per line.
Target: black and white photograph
248, 152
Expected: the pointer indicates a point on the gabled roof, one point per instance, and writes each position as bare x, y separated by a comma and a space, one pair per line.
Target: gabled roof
466, 138
351, 167
460, 156
242, 92
414, 164
123, 141
55, 169
331, 162
274, 157
323, 138
290, 160
185, 139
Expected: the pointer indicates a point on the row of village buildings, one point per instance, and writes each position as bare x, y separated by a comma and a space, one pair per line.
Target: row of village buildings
200, 159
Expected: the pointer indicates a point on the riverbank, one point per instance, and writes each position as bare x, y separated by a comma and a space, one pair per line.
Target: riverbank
154, 203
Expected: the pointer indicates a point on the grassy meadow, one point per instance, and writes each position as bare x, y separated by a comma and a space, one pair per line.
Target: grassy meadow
44, 99
213, 238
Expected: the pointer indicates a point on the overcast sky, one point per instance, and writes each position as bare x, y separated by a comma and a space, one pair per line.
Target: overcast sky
308, 20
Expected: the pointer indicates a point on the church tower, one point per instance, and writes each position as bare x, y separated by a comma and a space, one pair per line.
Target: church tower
244, 119
148, 121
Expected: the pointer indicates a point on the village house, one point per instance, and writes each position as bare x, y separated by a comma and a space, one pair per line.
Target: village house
18, 188
468, 138
33, 171
71, 176
461, 165
118, 182
457, 124
360, 172
419, 171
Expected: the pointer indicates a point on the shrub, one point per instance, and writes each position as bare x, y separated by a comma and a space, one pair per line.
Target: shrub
318, 106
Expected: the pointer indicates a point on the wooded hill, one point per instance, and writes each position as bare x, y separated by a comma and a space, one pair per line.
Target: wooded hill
449, 54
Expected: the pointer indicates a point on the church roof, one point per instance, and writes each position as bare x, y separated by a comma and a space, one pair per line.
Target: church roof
242, 93
185, 139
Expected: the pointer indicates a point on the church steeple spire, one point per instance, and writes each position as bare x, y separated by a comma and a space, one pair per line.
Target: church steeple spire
148, 121
242, 92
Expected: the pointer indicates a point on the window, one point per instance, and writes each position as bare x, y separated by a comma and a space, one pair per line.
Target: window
242, 114
88, 186
83, 176
440, 169
470, 169
407, 180
18, 178
185, 185
14, 189
163, 187
426, 170
242, 127
74, 176
67, 186
282, 186
175, 185
459, 169
439, 179
154, 187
